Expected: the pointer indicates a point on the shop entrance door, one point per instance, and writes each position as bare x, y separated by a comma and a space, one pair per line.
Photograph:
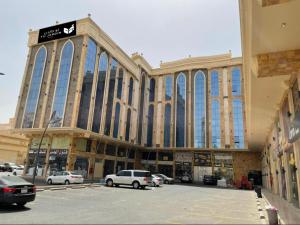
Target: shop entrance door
166, 170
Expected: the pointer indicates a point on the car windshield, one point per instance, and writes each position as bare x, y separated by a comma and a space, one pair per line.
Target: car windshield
12, 180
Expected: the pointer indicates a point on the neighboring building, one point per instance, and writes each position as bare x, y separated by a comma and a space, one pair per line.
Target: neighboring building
115, 112
13, 147
271, 56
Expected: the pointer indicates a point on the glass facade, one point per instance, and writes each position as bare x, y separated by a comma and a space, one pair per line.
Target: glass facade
128, 123
150, 126
130, 91
62, 83
141, 110
110, 97
34, 89
236, 81
87, 84
214, 84
238, 123
215, 124
102, 70
152, 90
169, 87
180, 109
120, 83
167, 126
116, 121
199, 110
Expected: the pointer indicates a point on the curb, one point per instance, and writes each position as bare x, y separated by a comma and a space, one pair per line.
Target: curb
281, 221
65, 187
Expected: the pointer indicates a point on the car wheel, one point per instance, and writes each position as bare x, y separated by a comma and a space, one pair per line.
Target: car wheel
15, 174
136, 185
109, 183
167, 182
49, 182
67, 182
21, 204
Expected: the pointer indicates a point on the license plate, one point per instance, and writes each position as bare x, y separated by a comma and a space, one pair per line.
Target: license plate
24, 190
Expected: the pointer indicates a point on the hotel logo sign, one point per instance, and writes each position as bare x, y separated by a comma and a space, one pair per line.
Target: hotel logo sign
57, 32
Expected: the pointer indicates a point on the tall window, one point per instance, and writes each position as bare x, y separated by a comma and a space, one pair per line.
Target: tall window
150, 126
236, 81
102, 69
199, 110
167, 126
110, 96
214, 84
180, 110
238, 123
169, 87
130, 91
120, 83
87, 84
215, 124
128, 121
152, 90
116, 121
34, 89
141, 107
62, 83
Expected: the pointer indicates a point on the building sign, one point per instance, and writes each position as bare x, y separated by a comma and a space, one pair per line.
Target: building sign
183, 157
57, 32
36, 142
294, 131
60, 143
203, 159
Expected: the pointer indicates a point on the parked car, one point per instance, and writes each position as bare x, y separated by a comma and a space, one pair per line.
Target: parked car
18, 171
166, 179
14, 189
210, 179
134, 178
65, 177
186, 178
156, 181
5, 171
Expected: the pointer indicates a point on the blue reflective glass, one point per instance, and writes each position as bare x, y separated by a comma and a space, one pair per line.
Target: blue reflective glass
152, 90
62, 84
102, 69
214, 83
87, 84
180, 110
110, 96
128, 121
236, 82
130, 91
215, 124
116, 121
167, 126
169, 87
141, 110
199, 110
34, 89
120, 83
150, 126
238, 123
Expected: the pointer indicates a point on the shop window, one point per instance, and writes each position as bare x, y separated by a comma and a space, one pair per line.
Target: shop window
110, 150
131, 153
149, 155
121, 152
100, 147
130, 165
88, 146
165, 156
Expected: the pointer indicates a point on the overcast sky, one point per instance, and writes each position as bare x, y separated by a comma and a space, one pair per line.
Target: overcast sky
160, 29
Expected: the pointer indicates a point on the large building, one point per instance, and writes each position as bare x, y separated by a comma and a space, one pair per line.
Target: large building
114, 112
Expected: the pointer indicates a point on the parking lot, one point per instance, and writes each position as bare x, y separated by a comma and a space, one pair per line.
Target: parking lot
180, 204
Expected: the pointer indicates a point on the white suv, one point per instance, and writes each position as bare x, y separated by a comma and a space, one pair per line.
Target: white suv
134, 178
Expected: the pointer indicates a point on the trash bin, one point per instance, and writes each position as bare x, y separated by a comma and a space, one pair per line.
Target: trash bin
272, 215
258, 191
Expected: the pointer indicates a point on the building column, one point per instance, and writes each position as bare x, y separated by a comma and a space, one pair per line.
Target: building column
48, 155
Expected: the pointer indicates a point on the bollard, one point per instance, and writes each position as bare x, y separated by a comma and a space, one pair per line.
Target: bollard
272, 215
258, 192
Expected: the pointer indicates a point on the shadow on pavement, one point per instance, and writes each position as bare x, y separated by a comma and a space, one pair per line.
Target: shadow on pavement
12, 209
129, 187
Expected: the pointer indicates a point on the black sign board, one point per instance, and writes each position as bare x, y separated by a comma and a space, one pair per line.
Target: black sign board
294, 131
58, 31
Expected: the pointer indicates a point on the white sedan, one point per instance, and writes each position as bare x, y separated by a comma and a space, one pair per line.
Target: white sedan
156, 181
65, 177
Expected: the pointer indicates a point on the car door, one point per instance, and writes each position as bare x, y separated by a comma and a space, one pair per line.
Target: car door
119, 177
127, 177
58, 177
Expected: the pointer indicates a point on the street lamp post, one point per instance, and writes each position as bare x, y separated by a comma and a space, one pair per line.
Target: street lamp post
38, 152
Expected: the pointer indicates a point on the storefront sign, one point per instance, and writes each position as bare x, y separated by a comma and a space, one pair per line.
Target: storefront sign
294, 131
183, 157
36, 141
57, 32
203, 159
60, 143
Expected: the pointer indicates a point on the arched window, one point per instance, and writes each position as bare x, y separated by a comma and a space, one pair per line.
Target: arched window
116, 121
87, 84
236, 81
35, 86
167, 126
215, 124
199, 110
110, 96
62, 83
102, 70
128, 121
150, 126
141, 110
152, 90
180, 110
169, 87
214, 83
130, 91
120, 83
238, 123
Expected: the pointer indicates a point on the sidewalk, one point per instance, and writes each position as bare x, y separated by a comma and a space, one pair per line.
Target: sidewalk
288, 212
